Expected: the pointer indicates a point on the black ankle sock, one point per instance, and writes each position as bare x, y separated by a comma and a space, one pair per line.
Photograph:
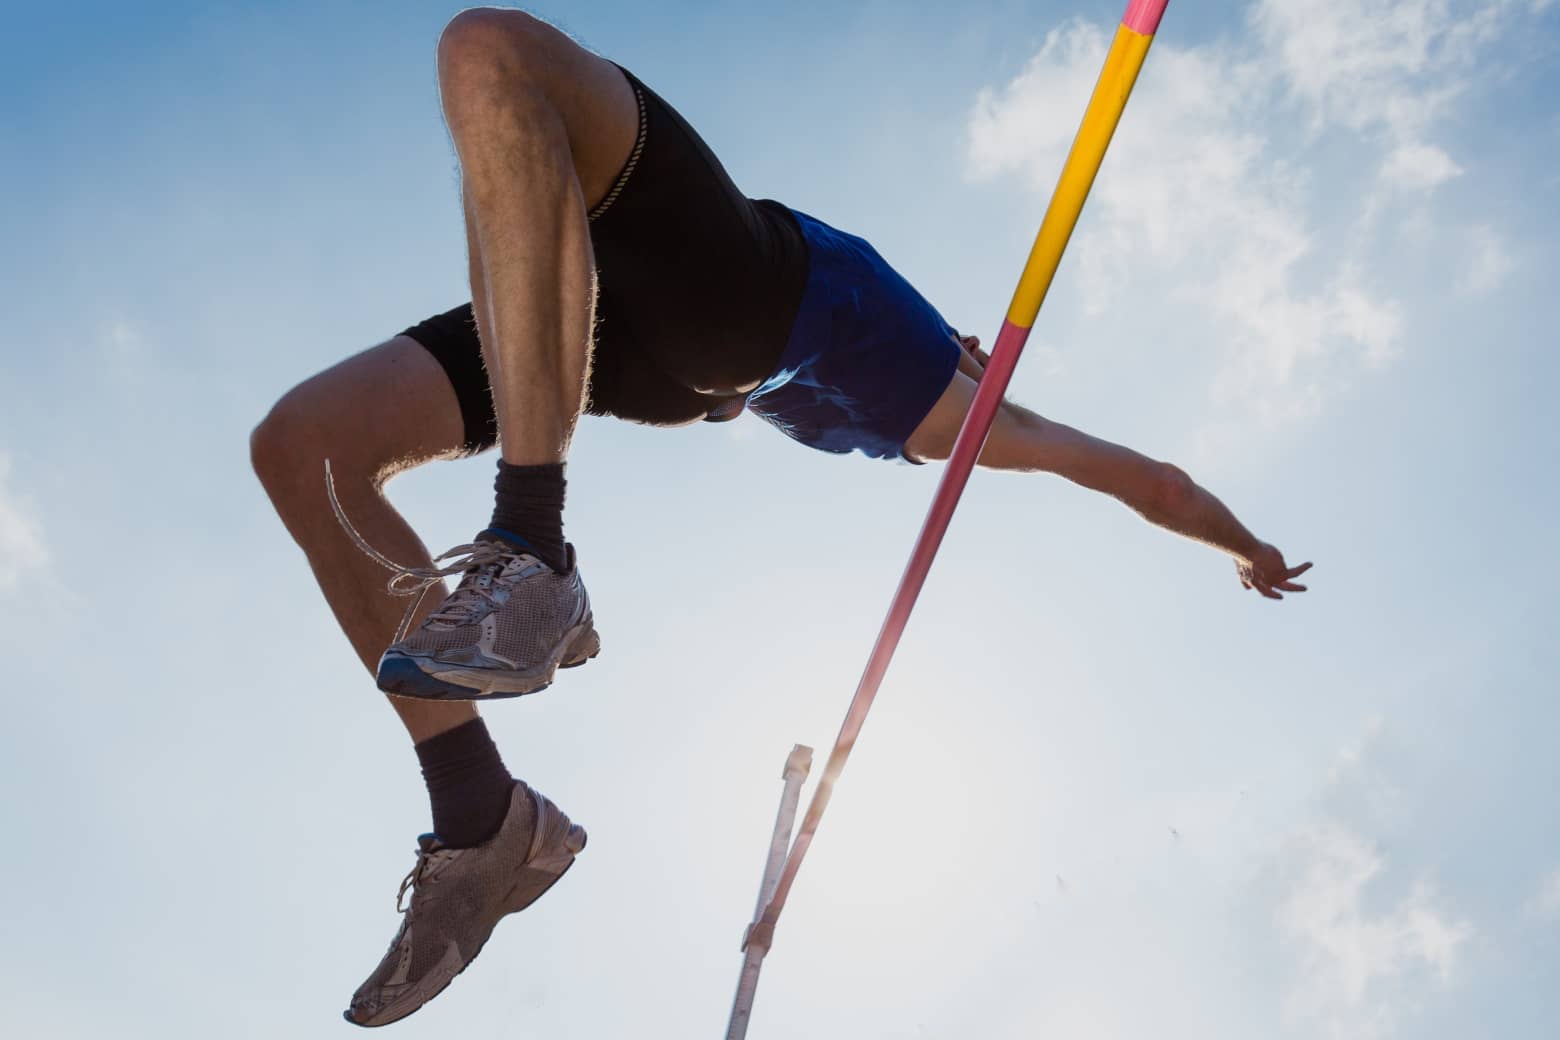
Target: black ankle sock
529, 503
467, 783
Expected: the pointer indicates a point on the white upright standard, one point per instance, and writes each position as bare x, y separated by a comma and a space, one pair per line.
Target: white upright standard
797, 765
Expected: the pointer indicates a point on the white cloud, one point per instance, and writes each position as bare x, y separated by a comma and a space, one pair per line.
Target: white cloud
1214, 183
1358, 966
1390, 66
21, 538
1421, 167
1489, 262
1371, 941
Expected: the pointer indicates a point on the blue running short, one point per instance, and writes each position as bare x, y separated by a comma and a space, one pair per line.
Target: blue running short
867, 356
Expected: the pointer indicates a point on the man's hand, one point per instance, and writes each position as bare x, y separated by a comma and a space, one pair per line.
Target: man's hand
1268, 574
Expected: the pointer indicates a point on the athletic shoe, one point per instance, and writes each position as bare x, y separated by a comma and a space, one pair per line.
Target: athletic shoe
457, 897
505, 631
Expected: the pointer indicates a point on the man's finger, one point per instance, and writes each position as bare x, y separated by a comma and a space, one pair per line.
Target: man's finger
1267, 590
1289, 586
1295, 572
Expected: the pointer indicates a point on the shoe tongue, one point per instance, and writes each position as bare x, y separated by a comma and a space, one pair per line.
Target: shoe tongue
506, 538
525, 558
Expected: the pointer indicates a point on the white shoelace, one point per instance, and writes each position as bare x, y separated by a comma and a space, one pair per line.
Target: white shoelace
462, 605
414, 877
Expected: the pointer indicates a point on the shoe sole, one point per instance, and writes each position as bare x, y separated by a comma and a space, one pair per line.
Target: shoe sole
406, 676
574, 842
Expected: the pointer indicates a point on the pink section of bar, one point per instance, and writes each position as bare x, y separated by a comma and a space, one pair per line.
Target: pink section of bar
966, 449
1143, 15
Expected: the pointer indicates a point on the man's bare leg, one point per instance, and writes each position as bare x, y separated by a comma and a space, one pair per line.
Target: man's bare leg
1159, 492
500, 844
374, 415
542, 128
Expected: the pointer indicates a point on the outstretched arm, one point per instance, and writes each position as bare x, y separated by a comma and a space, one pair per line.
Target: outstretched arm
1160, 493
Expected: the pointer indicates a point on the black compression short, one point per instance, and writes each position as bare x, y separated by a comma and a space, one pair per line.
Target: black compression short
698, 287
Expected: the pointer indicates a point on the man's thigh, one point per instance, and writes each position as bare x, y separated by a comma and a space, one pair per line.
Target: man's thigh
378, 412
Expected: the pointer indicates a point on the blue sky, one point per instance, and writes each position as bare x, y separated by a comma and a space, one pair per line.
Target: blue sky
1104, 792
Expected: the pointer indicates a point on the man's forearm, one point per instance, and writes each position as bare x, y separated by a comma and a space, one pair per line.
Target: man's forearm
1192, 511
1160, 493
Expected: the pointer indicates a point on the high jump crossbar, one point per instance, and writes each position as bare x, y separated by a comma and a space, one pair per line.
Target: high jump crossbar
1111, 91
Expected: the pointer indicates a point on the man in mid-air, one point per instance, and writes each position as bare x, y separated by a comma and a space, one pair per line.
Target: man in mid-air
615, 269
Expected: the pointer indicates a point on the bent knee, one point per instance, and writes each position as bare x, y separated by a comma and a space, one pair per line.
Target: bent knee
289, 447
282, 445
482, 41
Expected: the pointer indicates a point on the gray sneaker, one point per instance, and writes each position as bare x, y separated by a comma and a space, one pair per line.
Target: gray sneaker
458, 896
505, 631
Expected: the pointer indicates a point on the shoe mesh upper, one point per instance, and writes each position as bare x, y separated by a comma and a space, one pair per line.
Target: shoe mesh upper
536, 608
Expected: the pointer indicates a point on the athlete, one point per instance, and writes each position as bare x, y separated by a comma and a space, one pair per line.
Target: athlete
615, 269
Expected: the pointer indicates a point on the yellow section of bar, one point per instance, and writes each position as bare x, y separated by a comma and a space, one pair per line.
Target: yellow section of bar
1126, 56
